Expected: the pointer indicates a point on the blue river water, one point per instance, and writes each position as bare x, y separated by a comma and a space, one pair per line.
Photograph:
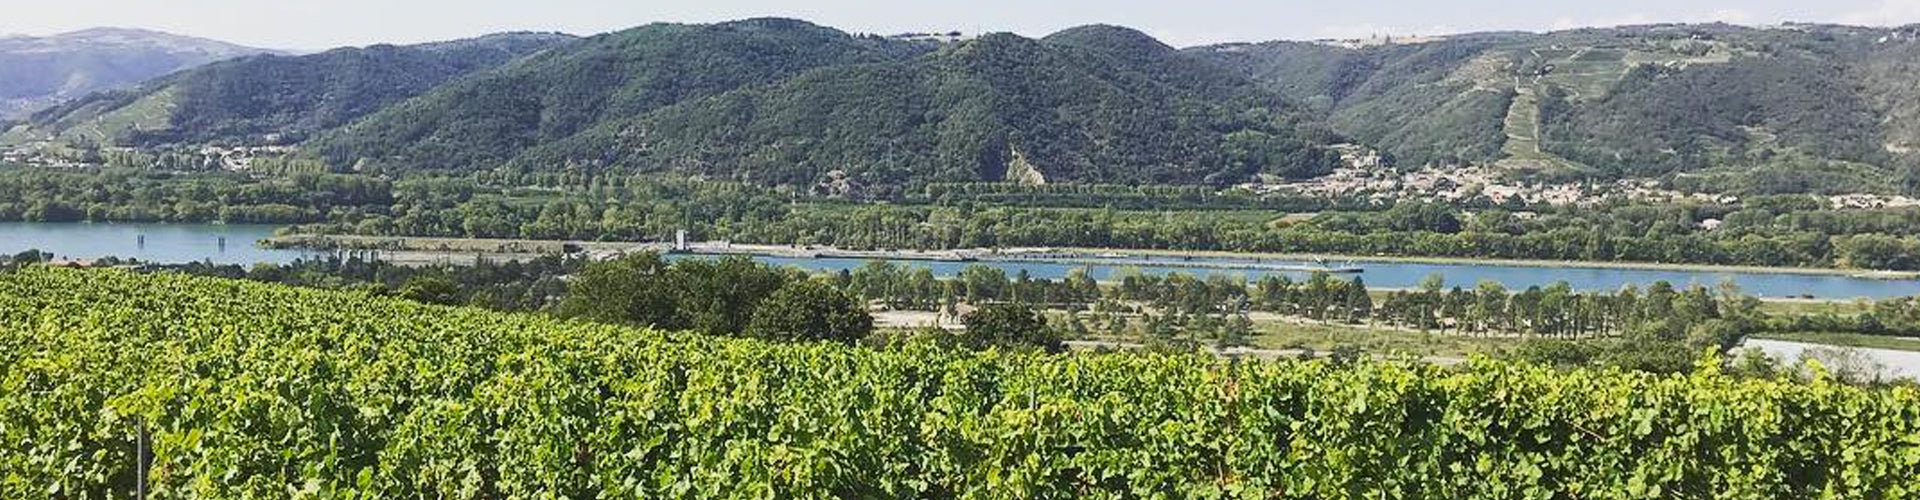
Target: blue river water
176, 243
163, 243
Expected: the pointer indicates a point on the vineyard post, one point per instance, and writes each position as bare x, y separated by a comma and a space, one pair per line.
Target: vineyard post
140, 444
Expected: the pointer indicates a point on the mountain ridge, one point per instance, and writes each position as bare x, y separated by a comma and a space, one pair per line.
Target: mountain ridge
1099, 104
783, 101
278, 99
37, 72
1811, 103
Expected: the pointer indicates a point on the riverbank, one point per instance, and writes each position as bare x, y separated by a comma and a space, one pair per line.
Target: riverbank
1582, 264
1812, 286
1056, 254
438, 244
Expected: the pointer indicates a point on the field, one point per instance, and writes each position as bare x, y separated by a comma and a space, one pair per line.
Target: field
1798, 307
1325, 338
261, 391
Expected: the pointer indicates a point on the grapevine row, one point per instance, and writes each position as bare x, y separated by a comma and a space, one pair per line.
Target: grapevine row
264, 391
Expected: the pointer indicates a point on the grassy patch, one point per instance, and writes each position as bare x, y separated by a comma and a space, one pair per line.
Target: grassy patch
1588, 73
1522, 148
1379, 341
1806, 307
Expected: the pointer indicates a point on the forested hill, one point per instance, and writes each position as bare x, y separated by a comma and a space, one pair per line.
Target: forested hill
1094, 104
38, 72
278, 99
488, 119
1812, 106
785, 102
1718, 108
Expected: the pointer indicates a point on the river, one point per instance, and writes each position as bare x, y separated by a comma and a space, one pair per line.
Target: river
175, 243
163, 243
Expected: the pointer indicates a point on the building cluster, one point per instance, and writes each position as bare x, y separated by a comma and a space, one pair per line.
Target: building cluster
947, 37
1364, 176
1871, 201
1378, 40
229, 158
240, 158
31, 156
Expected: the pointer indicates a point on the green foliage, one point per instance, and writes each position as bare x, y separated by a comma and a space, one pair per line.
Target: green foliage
721, 296
510, 285
1898, 316
129, 195
787, 103
633, 289
807, 310
431, 289
1695, 316
254, 391
1399, 99
781, 102
1660, 120
713, 296
285, 99
1115, 196
494, 116
1815, 109
1878, 251
1762, 230
1009, 326
24, 258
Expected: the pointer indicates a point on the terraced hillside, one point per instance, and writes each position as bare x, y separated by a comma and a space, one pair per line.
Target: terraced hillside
1619, 102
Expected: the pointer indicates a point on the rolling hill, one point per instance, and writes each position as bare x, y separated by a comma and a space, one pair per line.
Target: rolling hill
1824, 107
39, 72
493, 117
275, 98
790, 103
1795, 108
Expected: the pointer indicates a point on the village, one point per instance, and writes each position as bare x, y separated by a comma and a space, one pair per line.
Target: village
1365, 174
204, 158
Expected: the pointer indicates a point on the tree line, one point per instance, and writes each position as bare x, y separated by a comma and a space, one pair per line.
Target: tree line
1796, 231
1660, 327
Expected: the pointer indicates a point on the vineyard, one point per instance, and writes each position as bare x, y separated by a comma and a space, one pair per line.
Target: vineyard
263, 391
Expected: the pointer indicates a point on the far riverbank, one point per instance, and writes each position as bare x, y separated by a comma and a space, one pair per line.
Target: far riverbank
1094, 255
1584, 264
1380, 273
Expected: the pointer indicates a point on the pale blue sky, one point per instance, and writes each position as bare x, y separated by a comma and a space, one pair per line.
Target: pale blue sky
315, 24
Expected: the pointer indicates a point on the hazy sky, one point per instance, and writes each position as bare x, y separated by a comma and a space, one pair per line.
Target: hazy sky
316, 24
